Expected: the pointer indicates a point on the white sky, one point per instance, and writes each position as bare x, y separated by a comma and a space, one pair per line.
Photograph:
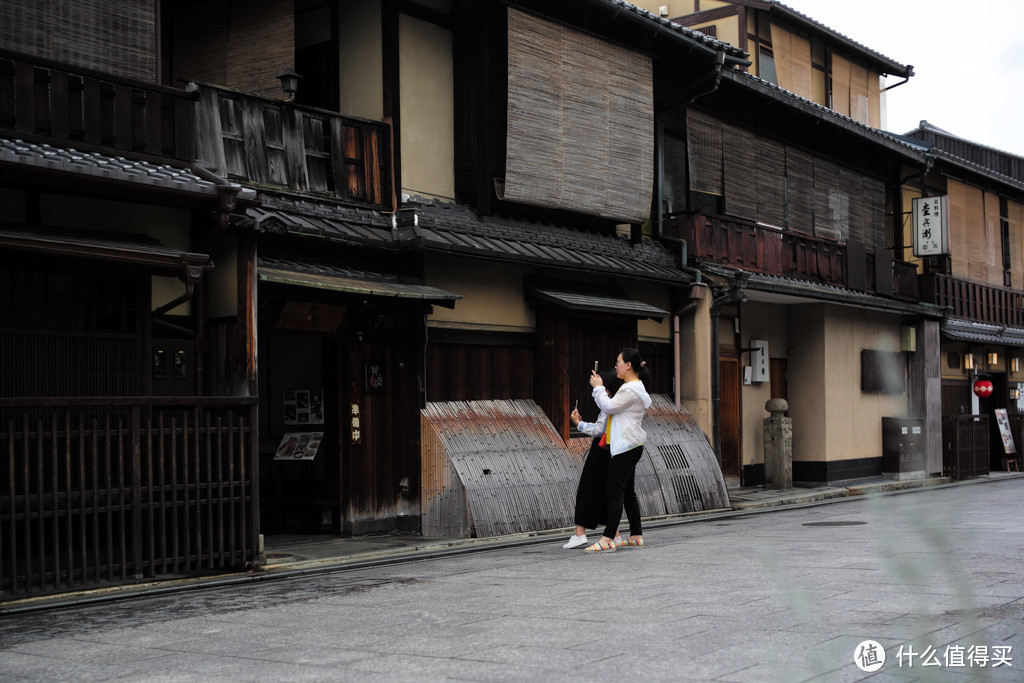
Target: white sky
968, 61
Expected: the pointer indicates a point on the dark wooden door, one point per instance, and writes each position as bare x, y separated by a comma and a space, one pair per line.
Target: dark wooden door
731, 427
777, 370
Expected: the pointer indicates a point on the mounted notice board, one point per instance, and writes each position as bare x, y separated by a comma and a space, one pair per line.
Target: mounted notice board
1004, 430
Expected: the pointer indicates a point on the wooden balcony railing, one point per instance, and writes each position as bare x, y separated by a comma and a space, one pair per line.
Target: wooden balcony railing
43, 101
111, 491
974, 301
269, 142
761, 249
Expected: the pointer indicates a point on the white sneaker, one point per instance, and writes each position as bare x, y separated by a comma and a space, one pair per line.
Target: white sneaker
576, 542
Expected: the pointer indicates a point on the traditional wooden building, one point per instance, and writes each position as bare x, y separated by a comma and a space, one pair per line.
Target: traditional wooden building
345, 267
978, 275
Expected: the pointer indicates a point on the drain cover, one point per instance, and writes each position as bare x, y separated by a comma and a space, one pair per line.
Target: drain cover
837, 523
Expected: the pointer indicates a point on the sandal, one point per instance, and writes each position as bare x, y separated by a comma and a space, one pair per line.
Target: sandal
601, 547
631, 543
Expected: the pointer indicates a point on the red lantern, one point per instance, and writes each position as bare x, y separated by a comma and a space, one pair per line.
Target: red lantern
983, 388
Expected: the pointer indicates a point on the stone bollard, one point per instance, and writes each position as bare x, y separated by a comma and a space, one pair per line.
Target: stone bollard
778, 446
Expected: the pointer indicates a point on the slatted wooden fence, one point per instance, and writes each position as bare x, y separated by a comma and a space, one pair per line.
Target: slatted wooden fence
113, 491
965, 446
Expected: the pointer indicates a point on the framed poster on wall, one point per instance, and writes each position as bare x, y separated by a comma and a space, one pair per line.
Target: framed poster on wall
303, 406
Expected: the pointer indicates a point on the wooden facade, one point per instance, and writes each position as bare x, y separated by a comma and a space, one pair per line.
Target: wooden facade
107, 491
784, 253
49, 102
271, 143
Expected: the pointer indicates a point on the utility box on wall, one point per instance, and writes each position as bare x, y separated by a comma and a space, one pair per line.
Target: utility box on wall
173, 367
903, 444
759, 360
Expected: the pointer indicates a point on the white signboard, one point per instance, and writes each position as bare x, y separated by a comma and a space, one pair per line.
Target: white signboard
931, 225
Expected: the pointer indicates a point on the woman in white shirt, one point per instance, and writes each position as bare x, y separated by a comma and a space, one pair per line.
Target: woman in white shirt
625, 438
590, 501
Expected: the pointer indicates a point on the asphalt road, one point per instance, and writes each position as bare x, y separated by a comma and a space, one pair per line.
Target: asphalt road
932, 579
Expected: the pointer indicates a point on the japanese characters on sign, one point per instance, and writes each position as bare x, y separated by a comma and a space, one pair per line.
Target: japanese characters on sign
931, 225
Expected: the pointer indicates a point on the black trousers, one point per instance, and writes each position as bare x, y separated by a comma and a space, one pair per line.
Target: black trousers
590, 502
620, 492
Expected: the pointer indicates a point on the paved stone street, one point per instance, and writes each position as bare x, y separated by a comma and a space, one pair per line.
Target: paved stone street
787, 595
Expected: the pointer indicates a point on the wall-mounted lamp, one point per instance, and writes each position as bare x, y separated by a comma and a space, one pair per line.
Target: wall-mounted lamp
289, 83
992, 358
968, 361
1015, 364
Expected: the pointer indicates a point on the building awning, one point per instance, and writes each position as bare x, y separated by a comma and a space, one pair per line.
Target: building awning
781, 290
148, 257
981, 333
596, 303
360, 282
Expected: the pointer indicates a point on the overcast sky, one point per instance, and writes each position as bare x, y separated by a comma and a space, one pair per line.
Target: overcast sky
968, 60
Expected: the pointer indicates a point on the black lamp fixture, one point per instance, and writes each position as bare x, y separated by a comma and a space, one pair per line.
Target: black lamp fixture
289, 83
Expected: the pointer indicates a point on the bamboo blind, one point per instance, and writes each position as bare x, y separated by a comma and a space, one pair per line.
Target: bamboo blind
783, 186
840, 85
993, 239
740, 172
580, 122
858, 93
770, 176
792, 61
799, 190
704, 148
1015, 215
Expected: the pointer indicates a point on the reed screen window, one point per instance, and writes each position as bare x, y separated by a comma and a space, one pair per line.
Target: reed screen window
580, 122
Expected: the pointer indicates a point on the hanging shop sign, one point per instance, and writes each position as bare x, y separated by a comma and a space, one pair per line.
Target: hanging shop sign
931, 225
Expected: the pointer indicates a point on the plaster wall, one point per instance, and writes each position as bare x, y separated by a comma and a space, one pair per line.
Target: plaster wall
769, 322
360, 57
655, 295
170, 228
492, 294
695, 370
428, 109
832, 418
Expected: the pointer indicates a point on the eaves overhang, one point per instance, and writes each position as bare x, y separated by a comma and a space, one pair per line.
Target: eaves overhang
886, 65
774, 289
149, 258
310, 273
67, 169
687, 37
972, 332
602, 304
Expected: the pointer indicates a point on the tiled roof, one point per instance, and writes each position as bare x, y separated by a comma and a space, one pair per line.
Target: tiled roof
438, 226
457, 229
333, 221
304, 271
817, 291
966, 330
104, 167
671, 26
912, 149
894, 67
